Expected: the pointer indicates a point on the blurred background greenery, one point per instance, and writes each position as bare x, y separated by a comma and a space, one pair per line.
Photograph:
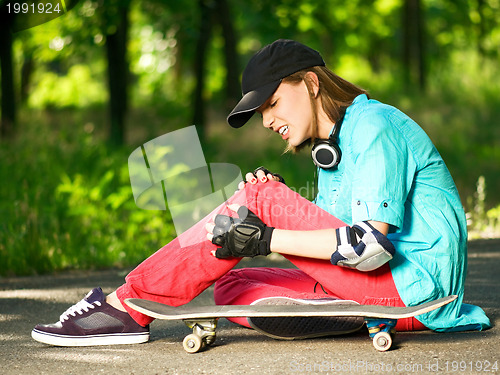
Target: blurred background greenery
81, 92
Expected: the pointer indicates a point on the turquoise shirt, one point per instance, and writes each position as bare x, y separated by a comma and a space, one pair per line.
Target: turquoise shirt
391, 172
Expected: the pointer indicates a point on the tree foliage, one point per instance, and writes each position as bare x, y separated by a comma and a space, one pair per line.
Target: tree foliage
122, 72
173, 47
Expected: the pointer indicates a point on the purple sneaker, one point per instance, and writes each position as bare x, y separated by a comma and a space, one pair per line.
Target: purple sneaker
92, 321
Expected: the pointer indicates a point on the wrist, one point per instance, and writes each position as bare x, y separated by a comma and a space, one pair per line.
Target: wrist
276, 243
267, 239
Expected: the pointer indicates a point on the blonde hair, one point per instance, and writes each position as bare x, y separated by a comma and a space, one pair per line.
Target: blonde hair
335, 92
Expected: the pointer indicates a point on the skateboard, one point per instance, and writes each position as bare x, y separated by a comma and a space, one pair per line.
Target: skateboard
380, 320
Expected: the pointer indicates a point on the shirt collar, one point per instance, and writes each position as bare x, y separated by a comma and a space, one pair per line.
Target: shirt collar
360, 98
357, 100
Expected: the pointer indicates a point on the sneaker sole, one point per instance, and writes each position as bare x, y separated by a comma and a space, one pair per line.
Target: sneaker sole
90, 340
295, 328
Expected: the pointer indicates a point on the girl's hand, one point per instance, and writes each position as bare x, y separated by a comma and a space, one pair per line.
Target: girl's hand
244, 235
262, 175
210, 226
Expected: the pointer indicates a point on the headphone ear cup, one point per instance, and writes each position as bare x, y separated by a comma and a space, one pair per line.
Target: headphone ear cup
326, 154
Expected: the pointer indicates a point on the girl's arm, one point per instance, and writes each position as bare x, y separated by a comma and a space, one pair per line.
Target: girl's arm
318, 244
364, 246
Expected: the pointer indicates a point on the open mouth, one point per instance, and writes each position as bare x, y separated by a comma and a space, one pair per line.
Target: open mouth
283, 130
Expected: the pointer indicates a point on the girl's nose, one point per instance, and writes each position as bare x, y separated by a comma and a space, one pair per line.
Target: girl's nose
267, 119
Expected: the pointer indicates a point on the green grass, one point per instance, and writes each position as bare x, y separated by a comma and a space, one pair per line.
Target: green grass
66, 203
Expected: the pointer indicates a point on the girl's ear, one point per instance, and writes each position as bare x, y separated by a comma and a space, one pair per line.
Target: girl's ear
313, 79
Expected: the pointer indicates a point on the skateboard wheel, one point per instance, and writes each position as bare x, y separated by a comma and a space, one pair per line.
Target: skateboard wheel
192, 343
382, 341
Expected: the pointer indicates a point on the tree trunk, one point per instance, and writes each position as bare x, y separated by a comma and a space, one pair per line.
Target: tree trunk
233, 91
118, 73
413, 44
8, 101
26, 74
199, 117
481, 33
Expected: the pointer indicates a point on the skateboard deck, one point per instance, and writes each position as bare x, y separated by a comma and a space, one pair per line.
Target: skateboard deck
380, 320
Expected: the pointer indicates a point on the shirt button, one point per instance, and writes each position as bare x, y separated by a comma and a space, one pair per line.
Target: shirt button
358, 203
385, 204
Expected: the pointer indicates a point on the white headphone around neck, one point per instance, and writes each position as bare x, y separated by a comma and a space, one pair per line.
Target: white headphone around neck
326, 153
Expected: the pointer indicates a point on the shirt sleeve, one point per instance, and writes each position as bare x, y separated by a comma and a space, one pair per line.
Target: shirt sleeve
383, 169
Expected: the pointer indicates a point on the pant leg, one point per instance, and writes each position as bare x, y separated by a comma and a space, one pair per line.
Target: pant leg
180, 270
244, 286
183, 268
177, 273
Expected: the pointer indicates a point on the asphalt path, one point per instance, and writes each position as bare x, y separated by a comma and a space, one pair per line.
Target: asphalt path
26, 301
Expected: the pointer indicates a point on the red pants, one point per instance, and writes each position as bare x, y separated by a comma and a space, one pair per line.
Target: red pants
185, 267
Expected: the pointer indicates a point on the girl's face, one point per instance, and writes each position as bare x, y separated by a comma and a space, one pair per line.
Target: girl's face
288, 112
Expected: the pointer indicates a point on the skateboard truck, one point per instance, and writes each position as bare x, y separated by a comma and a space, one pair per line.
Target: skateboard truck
381, 331
203, 334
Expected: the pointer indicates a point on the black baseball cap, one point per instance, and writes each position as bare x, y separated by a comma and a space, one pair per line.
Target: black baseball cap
264, 72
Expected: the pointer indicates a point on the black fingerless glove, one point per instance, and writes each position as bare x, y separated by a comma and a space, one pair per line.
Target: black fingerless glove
246, 236
267, 171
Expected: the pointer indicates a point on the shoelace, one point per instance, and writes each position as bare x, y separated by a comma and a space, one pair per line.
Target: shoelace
79, 308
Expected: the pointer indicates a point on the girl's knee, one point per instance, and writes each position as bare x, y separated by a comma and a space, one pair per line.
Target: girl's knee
263, 196
270, 188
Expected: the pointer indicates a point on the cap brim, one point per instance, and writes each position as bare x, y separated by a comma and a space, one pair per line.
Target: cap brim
252, 100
